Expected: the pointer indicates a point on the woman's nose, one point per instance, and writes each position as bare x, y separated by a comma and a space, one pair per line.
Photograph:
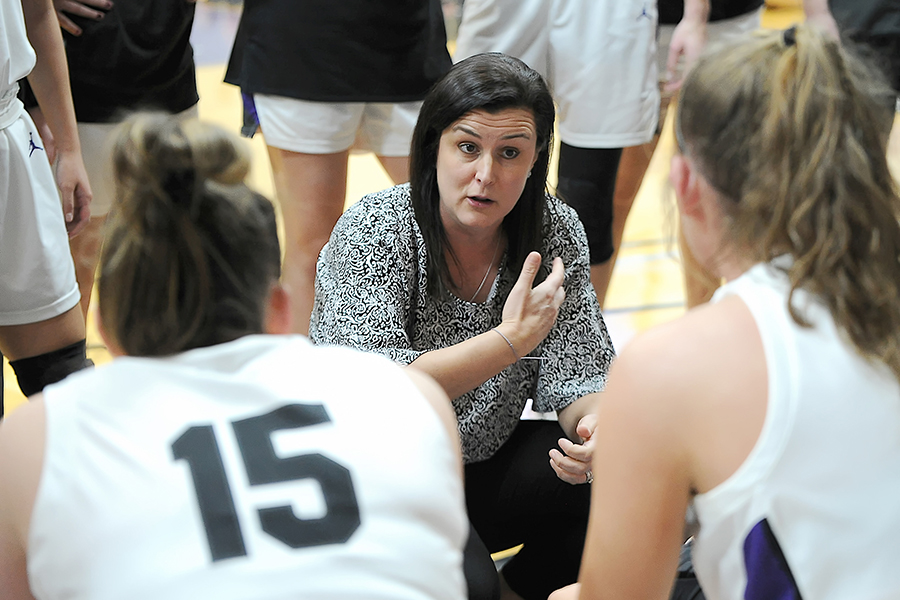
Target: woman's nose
484, 173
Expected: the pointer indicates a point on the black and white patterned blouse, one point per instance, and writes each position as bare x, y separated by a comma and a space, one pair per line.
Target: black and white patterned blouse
370, 294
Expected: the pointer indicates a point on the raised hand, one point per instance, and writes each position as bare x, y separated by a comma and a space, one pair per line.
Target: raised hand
530, 312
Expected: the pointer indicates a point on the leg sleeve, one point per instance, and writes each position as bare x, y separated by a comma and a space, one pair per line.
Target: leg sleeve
587, 183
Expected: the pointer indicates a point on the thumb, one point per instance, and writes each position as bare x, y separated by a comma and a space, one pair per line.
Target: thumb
586, 427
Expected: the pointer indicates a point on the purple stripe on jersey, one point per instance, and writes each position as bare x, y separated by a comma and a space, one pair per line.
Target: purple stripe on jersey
768, 575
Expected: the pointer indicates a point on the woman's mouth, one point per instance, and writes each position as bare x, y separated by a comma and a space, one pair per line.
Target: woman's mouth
479, 200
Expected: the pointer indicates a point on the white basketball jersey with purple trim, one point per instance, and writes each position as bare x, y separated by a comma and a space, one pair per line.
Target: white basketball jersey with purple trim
814, 511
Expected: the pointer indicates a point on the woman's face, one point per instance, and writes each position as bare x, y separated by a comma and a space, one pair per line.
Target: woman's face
483, 162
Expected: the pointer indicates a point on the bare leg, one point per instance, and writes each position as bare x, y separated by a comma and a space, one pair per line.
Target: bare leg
85, 249
33, 339
311, 190
397, 167
601, 274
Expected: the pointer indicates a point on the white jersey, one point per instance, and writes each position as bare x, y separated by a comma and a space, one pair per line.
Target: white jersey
262, 468
16, 58
814, 511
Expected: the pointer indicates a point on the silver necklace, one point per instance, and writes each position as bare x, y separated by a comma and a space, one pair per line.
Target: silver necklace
488, 272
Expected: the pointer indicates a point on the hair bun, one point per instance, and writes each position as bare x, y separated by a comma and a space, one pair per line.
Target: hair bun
165, 162
180, 185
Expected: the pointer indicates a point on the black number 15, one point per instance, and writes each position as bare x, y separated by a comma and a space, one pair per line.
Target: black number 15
199, 447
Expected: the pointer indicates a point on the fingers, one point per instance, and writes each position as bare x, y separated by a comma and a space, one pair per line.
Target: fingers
80, 8
673, 84
579, 452
531, 313
81, 217
574, 477
573, 464
569, 463
69, 212
75, 192
674, 73
675, 51
84, 8
67, 195
553, 285
558, 273
559, 297
529, 271
76, 226
68, 24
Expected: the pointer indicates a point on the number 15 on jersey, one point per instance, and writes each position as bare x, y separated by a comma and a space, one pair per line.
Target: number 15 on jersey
199, 447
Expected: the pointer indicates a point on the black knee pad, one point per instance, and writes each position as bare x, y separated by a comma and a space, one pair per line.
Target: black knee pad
36, 372
587, 183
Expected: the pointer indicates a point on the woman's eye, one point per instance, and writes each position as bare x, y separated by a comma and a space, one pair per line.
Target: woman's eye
510, 152
468, 148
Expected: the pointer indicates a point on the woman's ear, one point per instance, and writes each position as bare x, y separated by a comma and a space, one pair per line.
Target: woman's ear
277, 319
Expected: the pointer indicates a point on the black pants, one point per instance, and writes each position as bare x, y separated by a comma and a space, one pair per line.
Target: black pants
516, 498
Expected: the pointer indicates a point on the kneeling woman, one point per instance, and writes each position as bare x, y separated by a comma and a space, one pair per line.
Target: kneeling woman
440, 274
209, 461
